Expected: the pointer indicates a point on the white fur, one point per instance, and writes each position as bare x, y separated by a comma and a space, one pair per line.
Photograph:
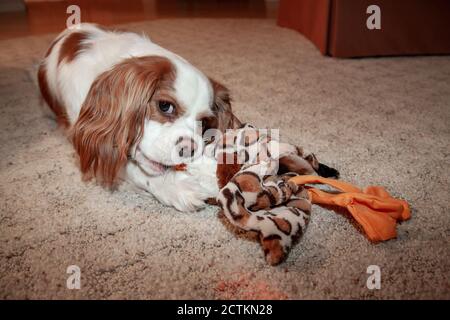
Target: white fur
70, 83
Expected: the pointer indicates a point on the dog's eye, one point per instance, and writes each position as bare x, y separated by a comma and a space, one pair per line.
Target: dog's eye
166, 107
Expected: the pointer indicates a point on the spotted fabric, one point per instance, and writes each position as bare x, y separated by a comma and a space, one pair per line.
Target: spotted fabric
256, 194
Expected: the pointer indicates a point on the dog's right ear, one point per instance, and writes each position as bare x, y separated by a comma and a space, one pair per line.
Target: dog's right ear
106, 128
225, 118
113, 115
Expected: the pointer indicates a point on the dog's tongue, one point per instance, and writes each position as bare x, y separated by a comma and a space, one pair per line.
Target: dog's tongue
180, 167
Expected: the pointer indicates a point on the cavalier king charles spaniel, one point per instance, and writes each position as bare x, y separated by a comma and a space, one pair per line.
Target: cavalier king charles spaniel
136, 111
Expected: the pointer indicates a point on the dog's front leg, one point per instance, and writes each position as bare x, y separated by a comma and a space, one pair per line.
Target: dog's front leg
183, 190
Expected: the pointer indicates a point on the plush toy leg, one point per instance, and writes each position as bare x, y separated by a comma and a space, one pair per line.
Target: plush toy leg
251, 202
305, 165
373, 208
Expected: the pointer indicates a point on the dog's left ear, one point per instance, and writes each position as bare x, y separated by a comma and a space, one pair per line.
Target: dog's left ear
225, 118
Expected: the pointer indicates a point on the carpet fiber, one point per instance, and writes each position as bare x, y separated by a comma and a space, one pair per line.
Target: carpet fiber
382, 121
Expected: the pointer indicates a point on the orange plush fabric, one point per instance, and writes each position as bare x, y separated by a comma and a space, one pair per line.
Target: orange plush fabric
373, 208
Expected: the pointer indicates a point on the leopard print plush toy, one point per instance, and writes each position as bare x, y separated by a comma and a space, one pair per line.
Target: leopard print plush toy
255, 194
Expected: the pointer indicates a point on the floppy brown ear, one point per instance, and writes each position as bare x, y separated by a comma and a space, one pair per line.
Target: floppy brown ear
222, 108
112, 116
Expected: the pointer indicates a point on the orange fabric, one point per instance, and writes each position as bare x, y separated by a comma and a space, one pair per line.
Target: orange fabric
373, 208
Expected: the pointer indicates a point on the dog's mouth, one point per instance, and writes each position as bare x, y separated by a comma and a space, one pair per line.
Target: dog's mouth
156, 167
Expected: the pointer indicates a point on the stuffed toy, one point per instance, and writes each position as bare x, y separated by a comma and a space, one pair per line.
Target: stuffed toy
265, 186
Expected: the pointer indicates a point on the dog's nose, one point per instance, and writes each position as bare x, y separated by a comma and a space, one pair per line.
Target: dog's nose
186, 147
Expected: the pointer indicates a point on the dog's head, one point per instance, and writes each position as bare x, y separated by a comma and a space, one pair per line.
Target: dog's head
151, 110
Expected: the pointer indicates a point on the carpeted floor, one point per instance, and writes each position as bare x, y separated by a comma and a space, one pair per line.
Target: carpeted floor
379, 121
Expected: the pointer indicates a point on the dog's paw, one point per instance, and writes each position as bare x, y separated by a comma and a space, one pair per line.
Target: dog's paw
190, 199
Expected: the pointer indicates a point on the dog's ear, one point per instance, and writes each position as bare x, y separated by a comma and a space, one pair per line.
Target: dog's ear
105, 130
113, 115
225, 118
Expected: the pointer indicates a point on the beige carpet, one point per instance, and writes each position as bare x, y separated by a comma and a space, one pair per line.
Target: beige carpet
379, 121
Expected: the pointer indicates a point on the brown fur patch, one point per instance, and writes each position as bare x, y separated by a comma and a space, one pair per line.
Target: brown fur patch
52, 102
211, 201
225, 172
282, 225
72, 45
302, 204
272, 249
243, 213
294, 163
248, 183
263, 201
222, 108
52, 45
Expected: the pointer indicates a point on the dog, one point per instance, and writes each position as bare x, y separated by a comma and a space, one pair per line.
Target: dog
135, 111
138, 112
